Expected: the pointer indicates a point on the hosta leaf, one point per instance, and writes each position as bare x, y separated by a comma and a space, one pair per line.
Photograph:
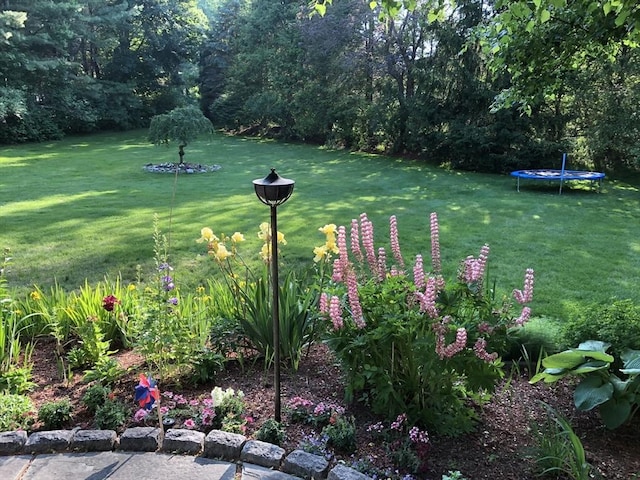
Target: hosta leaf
592, 392
591, 367
594, 345
631, 360
615, 412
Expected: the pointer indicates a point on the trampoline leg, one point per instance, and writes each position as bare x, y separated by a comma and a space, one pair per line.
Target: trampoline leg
518, 185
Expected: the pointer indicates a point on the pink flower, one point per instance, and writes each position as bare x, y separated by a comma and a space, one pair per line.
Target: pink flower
448, 351
526, 295
190, 424
382, 264
355, 240
164, 410
419, 437
366, 228
140, 415
335, 312
109, 302
435, 244
418, 273
428, 298
207, 416
324, 303
343, 254
336, 276
524, 316
395, 244
208, 402
480, 350
194, 403
474, 269
167, 394
399, 421
354, 299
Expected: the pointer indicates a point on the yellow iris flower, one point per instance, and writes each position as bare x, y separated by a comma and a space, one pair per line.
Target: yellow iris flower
207, 235
237, 237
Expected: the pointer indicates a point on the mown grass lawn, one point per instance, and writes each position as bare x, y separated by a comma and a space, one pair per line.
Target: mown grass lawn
83, 207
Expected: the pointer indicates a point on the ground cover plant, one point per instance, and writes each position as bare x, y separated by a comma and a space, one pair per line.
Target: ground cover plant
182, 314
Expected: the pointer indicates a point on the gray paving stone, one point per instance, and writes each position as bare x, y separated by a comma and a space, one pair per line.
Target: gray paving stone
262, 453
94, 440
140, 439
12, 468
257, 472
341, 472
305, 465
127, 466
12, 442
183, 440
219, 444
50, 441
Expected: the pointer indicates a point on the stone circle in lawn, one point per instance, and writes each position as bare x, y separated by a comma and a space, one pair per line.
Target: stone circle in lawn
188, 168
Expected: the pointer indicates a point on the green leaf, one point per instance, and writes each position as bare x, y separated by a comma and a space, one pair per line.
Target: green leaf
592, 392
545, 15
615, 412
566, 359
537, 3
589, 367
373, 5
594, 345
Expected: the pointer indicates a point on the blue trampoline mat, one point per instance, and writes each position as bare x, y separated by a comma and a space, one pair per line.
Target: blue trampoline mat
551, 174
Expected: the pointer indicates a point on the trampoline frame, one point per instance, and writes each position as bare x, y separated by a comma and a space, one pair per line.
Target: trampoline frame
562, 175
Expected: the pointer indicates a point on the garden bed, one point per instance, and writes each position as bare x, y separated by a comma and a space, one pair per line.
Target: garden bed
500, 448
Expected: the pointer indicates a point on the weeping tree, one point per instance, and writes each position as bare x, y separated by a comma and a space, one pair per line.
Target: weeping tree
181, 125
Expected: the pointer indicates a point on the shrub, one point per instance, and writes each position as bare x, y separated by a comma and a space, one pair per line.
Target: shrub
271, 431
95, 396
111, 415
55, 414
412, 343
16, 412
341, 434
617, 323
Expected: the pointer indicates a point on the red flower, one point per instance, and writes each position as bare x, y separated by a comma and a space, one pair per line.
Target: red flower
109, 302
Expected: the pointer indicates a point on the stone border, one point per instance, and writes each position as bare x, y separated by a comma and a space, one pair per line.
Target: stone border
216, 444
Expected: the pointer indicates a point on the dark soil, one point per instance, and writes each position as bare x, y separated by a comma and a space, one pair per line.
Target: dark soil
500, 447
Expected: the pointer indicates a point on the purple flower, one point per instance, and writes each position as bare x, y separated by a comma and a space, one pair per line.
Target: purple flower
164, 266
173, 301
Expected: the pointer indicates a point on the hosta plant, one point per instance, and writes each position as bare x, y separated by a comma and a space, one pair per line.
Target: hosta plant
614, 392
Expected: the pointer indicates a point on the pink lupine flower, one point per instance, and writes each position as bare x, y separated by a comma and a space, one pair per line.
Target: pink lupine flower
474, 269
448, 351
395, 244
335, 313
435, 244
526, 295
355, 240
524, 316
336, 276
324, 303
354, 299
428, 298
484, 327
382, 264
366, 228
418, 273
480, 350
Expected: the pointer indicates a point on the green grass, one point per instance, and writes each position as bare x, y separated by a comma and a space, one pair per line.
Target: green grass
83, 207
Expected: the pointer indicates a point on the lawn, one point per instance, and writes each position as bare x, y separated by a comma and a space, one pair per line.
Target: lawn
84, 207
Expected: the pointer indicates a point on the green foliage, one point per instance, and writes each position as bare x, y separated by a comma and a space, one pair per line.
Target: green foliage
394, 355
271, 431
248, 298
15, 354
16, 412
95, 396
616, 322
615, 392
106, 370
111, 415
341, 434
559, 451
182, 125
55, 414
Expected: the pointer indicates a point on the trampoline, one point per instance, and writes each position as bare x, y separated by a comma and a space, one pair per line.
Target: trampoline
559, 175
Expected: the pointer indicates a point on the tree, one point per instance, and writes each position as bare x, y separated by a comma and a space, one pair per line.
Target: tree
181, 125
